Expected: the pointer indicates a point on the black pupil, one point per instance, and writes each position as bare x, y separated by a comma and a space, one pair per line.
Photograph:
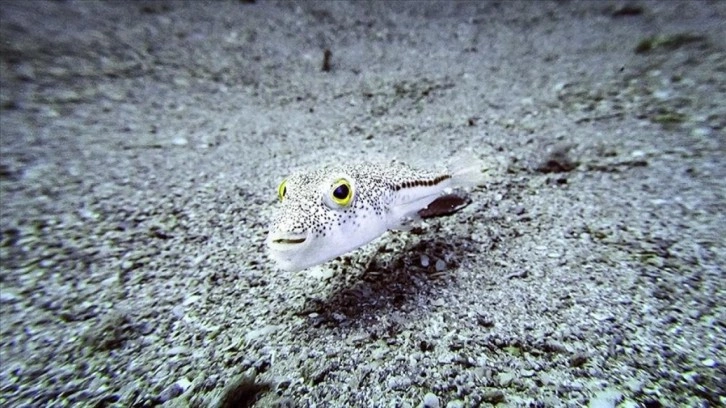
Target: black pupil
341, 193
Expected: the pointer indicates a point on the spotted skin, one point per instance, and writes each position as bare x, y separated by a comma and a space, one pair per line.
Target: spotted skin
310, 227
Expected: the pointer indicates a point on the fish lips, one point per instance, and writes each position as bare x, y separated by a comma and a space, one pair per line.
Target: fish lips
286, 242
287, 249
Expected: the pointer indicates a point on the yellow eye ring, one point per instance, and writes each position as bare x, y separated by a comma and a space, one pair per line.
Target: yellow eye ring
282, 190
342, 192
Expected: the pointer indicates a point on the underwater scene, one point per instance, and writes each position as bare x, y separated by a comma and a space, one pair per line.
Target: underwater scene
438, 204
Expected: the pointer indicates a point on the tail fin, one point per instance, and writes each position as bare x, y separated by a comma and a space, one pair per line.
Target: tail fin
467, 171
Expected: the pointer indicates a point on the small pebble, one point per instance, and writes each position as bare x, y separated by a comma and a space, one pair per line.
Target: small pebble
606, 399
320, 272
184, 383
379, 353
690, 377
602, 317
67, 96
430, 400
701, 131
578, 360
709, 362
7, 296
177, 350
259, 333
171, 392
505, 379
455, 404
425, 261
399, 383
439, 302
178, 311
445, 359
493, 396
662, 94
634, 385
179, 141
191, 300
46, 263
180, 81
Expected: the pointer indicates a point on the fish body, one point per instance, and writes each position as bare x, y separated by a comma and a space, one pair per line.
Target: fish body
327, 212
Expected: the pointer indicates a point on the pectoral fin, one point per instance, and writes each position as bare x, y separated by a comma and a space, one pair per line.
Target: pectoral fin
445, 205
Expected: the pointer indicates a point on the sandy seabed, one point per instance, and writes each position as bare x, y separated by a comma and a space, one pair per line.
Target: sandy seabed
142, 143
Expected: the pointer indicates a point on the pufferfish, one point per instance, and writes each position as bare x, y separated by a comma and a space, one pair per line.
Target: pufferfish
336, 209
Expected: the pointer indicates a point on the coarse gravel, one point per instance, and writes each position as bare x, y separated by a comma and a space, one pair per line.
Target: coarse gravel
141, 144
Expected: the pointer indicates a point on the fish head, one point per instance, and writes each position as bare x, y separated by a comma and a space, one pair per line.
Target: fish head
321, 215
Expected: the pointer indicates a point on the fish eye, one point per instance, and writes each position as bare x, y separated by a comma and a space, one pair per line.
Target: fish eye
282, 190
342, 193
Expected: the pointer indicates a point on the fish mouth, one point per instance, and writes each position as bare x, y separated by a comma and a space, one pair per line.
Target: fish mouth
287, 241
